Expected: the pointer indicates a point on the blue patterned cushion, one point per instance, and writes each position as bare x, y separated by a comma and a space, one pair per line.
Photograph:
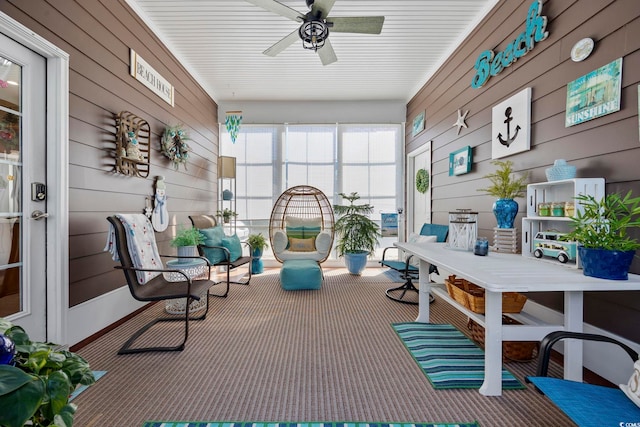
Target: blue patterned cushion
233, 244
213, 237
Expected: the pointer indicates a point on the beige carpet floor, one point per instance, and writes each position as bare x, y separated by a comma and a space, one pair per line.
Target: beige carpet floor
265, 354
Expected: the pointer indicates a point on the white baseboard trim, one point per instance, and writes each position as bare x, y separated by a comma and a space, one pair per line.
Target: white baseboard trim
92, 316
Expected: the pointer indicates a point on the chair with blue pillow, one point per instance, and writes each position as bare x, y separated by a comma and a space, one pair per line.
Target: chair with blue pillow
221, 250
409, 270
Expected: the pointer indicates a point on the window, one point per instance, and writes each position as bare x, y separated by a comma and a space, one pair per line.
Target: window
335, 158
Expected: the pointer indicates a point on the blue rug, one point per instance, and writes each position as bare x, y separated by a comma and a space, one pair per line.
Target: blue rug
287, 424
97, 375
447, 357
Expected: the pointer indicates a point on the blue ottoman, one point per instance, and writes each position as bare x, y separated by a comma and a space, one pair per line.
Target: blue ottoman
300, 274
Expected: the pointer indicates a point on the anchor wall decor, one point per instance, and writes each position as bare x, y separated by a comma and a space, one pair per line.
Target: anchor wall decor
511, 125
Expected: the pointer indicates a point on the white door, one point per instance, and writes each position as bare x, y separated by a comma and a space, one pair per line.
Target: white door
23, 202
420, 206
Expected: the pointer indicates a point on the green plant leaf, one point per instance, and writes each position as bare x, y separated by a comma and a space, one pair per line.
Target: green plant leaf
58, 388
20, 404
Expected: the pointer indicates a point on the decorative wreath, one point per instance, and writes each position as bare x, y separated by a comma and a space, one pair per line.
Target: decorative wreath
173, 145
422, 180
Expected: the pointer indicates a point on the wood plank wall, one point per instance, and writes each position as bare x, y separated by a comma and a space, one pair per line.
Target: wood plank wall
605, 147
97, 34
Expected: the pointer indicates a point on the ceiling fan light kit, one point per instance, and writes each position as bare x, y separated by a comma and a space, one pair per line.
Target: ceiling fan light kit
315, 24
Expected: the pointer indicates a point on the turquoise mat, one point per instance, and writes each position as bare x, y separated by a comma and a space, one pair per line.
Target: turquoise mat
447, 357
286, 424
80, 389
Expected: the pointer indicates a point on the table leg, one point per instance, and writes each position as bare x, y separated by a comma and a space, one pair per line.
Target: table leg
423, 293
573, 321
492, 385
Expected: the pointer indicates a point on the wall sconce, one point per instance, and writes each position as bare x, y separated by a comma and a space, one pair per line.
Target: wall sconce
232, 123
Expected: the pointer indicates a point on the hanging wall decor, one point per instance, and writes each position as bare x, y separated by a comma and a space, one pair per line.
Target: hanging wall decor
595, 94
460, 161
422, 180
511, 124
132, 145
418, 124
160, 214
173, 146
461, 122
232, 123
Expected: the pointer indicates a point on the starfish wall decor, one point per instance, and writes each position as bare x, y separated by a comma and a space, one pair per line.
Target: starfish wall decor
461, 120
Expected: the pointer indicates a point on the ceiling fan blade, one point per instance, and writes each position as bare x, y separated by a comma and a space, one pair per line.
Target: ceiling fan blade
279, 8
327, 54
324, 6
357, 24
282, 44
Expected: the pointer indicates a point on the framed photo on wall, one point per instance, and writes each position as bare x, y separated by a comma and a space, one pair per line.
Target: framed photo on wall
418, 124
460, 161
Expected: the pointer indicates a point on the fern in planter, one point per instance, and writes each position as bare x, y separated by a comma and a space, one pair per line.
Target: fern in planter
187, 237
35, 389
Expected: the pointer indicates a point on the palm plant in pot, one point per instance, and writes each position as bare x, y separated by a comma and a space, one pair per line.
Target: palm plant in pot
357, 233
605, 248
258, 244
186, 241
506, 187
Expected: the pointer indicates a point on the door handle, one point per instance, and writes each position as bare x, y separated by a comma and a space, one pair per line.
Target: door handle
37, 215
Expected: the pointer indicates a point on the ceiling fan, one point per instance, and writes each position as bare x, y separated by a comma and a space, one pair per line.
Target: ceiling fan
315, 25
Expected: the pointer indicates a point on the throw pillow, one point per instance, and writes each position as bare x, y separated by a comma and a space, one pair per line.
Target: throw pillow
295, 232
213, 237
232, 243
632, 388
301, 245
294, 221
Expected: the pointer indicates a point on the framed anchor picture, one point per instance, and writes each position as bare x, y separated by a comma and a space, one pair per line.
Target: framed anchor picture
511, 125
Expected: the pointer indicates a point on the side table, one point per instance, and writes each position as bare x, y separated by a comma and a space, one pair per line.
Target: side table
193, 268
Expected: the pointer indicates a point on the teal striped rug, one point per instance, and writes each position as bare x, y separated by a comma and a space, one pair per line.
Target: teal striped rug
447, 357
286, 424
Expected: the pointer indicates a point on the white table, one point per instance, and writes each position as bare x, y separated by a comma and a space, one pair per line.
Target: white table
498, 273
194, 268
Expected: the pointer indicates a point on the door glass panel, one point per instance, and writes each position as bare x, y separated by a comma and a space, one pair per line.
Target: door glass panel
10, 188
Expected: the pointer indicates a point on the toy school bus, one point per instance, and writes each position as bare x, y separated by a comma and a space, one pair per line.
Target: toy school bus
550, 243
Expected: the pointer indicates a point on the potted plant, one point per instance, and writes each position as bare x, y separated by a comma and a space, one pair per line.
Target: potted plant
258, 244
186, 241
38, 380
600, 228
226, 215
357, 233
506, 187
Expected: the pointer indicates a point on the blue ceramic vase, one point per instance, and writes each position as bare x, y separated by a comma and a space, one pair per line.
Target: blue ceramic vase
505, 211
356, 261
257, 266
605, 264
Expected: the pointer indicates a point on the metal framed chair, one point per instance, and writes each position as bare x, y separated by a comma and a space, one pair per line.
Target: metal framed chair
157, 288
202, 222
409, 272
586, 404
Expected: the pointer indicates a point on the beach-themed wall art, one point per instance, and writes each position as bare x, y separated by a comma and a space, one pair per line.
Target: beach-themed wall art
511, 125
460, 161
595, 94
418, 124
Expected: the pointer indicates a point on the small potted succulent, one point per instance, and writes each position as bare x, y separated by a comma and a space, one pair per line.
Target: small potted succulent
226, 214
506, 187
601, 227
186, 241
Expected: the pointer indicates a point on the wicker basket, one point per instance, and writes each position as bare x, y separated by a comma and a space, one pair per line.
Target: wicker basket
472, 296
517, 351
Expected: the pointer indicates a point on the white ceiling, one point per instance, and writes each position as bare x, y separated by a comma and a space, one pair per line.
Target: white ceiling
221, 42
